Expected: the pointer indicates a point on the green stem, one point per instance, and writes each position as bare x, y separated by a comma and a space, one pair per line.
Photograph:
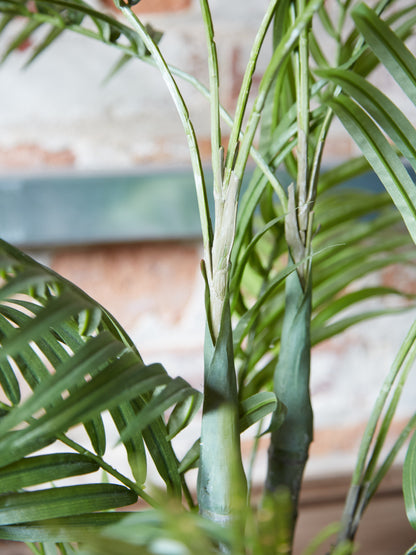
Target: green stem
254, 153
246, 88
108, 468
289, 445
187, 125
285, 46
302, 83
216, 149
358, 494
221, 479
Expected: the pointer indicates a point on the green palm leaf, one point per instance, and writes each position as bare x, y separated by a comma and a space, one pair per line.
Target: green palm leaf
69, 529
44, 468
409, 482
79, 363
76, 16
381, 156
16, 508
380, 108
388, 47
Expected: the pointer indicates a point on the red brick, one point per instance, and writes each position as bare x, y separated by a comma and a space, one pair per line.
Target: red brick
155, 6
129, 280
29, 155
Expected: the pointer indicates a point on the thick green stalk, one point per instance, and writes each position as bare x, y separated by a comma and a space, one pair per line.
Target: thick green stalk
289, 445
221, 480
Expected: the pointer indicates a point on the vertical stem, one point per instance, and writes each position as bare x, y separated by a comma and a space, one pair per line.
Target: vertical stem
221, 479
302, 78
280, 53
289, 445
217, 162
245, 89
183, 113
355, 503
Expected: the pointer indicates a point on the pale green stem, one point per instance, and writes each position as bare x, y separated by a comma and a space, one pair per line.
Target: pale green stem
358, 489
380, 402
187, 125
246, 88
283, 49
302, 78
317, 157
391, 456
254, 153
391, 411
217, 161
226, 214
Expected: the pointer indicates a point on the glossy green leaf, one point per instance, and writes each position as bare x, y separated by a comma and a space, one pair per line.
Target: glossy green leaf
343, 172
161, 451
44, 468
30, 277
382, 158
74, 16
58, 309
96, 433
391, 456
255, 408
175, 391
321, 333
9, 383
53, 34
350, 299
92, 374
183, 413
409, 482
89, 320
72, 528
191, 457
17, 508
98, 351
20, 38
121, 381
136, 454
380, 108
388, 47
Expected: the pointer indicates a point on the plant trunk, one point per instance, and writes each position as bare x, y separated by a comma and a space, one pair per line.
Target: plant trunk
221, 479
289, 446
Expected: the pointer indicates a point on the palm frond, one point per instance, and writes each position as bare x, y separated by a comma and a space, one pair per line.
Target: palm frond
53, 17
79, 363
